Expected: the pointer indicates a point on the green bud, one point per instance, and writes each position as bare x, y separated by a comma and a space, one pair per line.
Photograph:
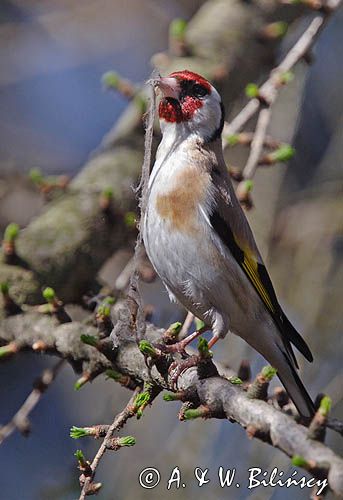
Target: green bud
36, 176
127, 441
113, 375
252, 90
89, 340
232, 139
278, 29
141, 400
4, 288
299, 461
286, 77
177, 28
193, 413
80, 458
81, 382
148, 387
175, 328
283, 153
199, 324
249, 184
130, 219
147, 349
104, 310
11, 232
268, 372
325, 406
79, 432
49, 294
235, 380
170, 397
109, 300
108, 192
203, 348
7, 350
110, 80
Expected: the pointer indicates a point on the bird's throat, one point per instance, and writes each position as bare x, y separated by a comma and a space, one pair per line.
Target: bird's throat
170, 110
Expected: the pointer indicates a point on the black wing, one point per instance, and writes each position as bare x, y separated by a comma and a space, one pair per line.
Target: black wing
258, 275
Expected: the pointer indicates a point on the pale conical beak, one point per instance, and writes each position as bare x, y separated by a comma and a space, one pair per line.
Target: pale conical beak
169, 87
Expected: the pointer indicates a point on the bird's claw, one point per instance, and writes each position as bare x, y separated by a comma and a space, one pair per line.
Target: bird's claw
178, 347
178, 367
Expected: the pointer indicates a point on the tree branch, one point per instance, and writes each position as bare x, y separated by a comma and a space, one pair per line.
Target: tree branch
257, 143
224, 398
117, 423
269, 90
20, 420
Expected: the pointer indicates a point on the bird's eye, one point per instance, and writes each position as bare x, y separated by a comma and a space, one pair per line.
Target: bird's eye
199, 90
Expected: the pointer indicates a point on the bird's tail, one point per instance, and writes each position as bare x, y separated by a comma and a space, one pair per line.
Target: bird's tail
287, 373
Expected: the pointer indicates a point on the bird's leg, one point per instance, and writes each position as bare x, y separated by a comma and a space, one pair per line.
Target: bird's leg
177, 367
182, 344
213, 340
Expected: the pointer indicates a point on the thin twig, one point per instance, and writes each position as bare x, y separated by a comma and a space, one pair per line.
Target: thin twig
257, 143
269, 89
134, 298
245, 139
117, 423
20, 420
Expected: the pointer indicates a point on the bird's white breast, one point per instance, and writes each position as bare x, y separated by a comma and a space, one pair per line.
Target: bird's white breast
176, 234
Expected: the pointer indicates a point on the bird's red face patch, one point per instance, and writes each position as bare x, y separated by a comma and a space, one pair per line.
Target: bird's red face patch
193, 89
170, 110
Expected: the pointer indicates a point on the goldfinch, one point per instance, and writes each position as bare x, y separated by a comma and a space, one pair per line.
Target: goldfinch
199, 240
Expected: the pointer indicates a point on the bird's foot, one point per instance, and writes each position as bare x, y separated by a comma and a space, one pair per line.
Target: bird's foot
180, 346
178, 367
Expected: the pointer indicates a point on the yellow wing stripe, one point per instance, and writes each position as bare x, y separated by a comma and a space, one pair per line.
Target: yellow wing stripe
250, 267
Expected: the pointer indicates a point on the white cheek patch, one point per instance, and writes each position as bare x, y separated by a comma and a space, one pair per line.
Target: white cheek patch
207, 119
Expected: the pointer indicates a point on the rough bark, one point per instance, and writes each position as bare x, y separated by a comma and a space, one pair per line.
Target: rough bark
224, 399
